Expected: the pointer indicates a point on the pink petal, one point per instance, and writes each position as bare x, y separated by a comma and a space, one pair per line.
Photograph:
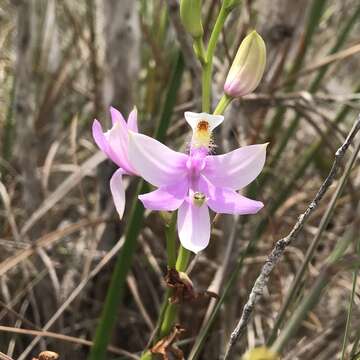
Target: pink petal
155, 162
168, 198
116, 117
132, 121
114, 153
118, 191
227, 201
118, 140
99, 137
237, 168
193, 226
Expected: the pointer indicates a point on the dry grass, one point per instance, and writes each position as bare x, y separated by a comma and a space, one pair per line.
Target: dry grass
59, 233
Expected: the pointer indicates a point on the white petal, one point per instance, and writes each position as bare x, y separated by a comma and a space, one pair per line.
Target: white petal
194, 118
118, 191
193, 226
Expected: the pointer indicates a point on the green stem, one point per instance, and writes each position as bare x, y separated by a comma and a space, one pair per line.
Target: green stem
206, 86
168, 320
170, 232
222, 105
199, 50
183, 259
171, 309
208, 65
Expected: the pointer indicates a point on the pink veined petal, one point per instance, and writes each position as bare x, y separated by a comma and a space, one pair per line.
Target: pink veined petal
118, 191
116, 117
168, 198
227, 201
193, 226
132, 121
155, 162
237, 168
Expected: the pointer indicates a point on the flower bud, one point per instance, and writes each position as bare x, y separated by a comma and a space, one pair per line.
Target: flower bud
190, 13
248, 66
260, 353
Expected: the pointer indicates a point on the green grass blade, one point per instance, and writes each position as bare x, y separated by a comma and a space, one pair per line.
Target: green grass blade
8, 134
340, 41
313, 21
289, 132
296, 283
349, 316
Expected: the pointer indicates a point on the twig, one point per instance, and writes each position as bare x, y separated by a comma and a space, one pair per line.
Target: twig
61, 337
281, 245
329, 59
73, 295
5, 357
299, 96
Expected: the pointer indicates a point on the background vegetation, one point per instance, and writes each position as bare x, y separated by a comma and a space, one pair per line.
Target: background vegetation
62, 63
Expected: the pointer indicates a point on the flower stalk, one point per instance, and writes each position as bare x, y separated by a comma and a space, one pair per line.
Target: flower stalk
222, 104
208, 66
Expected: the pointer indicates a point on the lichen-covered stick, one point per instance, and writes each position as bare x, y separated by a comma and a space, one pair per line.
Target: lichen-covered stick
281, 245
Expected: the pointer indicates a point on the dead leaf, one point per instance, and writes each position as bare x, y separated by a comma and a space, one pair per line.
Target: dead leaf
183, 289
47, 355
165, 347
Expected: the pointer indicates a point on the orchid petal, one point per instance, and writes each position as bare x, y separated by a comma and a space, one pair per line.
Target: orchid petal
102, 141
168, 198
155, 162
193, 119
100, 138
116, 117
237, 168
108, 143
118, 191
227, 201
193, 226
132, 121
118, 139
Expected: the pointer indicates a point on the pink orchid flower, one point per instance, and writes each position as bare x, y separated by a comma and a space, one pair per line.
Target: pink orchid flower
195, 182
114, 143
